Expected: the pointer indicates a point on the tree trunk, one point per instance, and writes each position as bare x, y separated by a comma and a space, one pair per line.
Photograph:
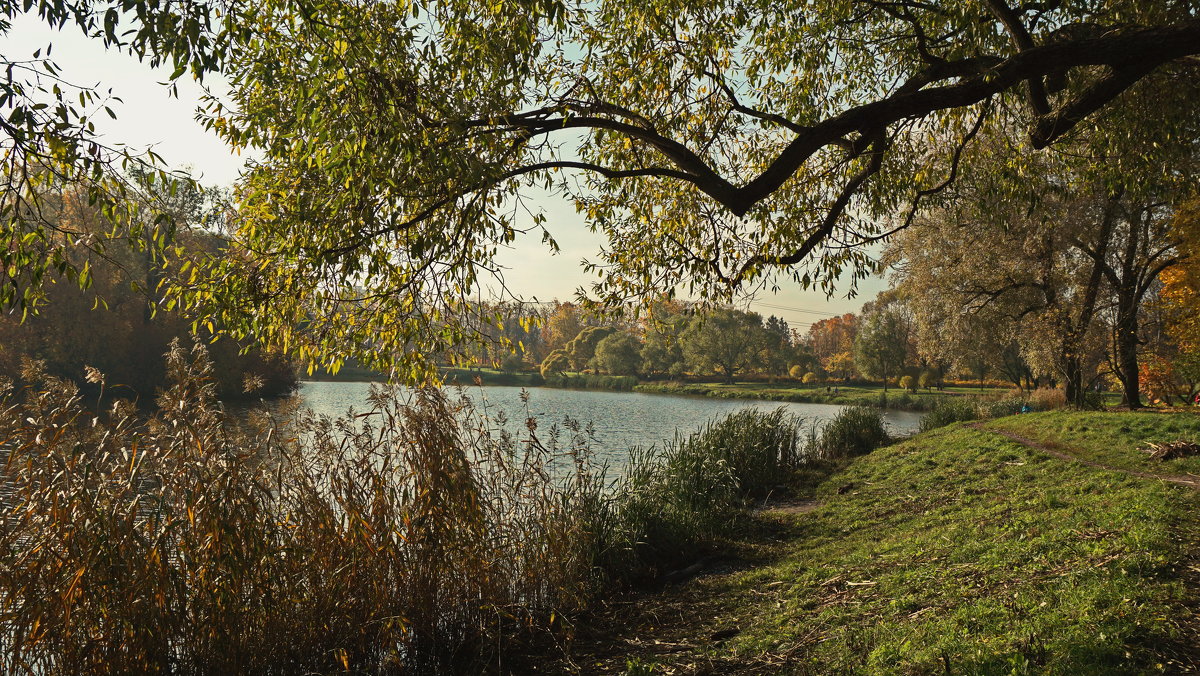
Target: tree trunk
1127, 348
1076, 334
1073, 380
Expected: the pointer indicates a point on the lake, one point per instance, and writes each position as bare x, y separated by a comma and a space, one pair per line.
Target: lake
619, 419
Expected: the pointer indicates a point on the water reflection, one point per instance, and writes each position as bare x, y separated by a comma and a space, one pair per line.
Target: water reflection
617, 420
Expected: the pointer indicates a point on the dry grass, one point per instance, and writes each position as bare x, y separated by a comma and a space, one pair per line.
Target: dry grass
184, 544
1047, 399
414, 538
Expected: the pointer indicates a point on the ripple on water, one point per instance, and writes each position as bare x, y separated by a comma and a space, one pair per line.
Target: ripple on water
619, 419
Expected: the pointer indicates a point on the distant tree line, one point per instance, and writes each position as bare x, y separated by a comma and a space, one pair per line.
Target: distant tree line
110, 323
669, 340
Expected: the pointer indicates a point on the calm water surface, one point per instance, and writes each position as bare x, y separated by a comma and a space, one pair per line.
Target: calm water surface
619, 419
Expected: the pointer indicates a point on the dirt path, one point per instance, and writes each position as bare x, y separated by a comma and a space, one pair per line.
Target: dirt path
1050, 449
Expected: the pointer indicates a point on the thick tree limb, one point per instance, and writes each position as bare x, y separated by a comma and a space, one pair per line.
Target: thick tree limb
1023, 41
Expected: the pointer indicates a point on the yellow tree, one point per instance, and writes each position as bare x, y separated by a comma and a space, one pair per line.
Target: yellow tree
1180, 295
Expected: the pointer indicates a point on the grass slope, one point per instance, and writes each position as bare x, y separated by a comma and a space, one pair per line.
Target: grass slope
962, 552
852, 395
1111, 438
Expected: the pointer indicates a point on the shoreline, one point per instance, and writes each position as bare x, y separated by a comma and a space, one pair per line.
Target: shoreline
894, 399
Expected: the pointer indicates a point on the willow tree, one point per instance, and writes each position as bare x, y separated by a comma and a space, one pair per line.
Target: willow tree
717, 145
50, 142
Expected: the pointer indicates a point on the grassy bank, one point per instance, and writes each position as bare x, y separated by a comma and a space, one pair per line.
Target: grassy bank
959, 551
1112, 438
852, 395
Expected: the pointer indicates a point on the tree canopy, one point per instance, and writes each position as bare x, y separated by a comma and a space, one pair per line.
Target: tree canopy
714, 144
49, 140
881, 345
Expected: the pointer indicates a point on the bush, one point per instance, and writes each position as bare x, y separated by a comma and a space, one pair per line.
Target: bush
796, 372
908, 383
671, 500
1092, 401
811, 377
1047, 399
854, 431
950, 410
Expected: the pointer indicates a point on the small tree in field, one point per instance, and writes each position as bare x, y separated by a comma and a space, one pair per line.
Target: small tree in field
797, 372
909, 383
618, 354
810, 378
929, 378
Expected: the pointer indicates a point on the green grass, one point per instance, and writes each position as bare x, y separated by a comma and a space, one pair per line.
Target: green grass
1111, 438
961, 552
461, 376
853, 395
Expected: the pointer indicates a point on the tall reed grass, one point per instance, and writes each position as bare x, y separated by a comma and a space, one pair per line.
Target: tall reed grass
961, 409
855, 430
674, 498
409, 539
183, 544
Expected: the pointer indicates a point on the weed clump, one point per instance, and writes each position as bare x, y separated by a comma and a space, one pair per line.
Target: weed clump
854, 431
691, 490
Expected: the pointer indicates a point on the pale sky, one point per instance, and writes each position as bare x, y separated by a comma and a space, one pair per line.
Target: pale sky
149, 117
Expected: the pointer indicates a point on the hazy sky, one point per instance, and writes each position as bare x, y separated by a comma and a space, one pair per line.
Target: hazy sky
149, 117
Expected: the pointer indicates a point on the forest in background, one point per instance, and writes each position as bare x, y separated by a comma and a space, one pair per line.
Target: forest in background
99, 318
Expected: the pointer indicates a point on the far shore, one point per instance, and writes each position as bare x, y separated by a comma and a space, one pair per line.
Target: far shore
784, 390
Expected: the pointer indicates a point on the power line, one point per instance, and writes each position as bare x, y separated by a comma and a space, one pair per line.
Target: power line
774, 306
